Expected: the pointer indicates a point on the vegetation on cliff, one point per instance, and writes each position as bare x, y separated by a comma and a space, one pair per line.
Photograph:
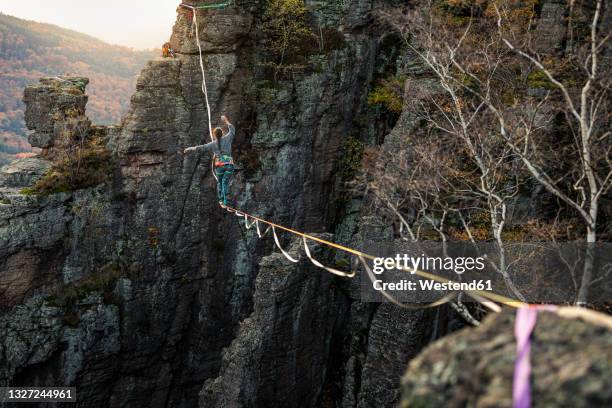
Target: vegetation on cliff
503, 113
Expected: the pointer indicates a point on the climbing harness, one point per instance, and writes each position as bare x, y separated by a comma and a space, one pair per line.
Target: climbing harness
223, 160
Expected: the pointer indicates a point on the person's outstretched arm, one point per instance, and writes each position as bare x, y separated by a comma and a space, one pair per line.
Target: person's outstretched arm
200, 148
231, 129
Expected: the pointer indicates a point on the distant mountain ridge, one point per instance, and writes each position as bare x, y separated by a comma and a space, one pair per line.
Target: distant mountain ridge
30, 50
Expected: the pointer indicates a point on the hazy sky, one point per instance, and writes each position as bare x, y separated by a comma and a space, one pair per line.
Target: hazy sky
133, 23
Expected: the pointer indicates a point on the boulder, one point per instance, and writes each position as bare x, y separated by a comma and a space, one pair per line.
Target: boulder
571, 366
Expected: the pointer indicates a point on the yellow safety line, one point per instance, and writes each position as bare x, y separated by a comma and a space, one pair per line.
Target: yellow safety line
486, 294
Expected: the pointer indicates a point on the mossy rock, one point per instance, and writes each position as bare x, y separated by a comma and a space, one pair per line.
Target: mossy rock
474, 367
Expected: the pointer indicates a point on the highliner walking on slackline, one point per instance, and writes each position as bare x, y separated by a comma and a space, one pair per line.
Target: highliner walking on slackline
223, 162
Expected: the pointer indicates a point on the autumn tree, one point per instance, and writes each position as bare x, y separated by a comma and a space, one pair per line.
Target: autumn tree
522, 116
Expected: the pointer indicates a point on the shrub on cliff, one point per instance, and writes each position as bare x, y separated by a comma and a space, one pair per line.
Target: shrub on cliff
388, 93
288, 38
85, 166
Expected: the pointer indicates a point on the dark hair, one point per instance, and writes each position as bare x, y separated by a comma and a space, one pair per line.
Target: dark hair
218, 135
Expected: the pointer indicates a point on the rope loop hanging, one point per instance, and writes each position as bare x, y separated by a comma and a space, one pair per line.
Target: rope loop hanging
194, 10
320, 265
259, 234
289, 257
246, 222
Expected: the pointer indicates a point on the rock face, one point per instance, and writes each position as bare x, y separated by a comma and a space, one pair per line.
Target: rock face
23, 172
475, 366
281, 351
140, 284
142, 292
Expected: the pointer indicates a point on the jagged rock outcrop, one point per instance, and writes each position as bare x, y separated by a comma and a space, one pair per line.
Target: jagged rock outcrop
146, 294
281, 352
55, 112
570, 366
41, 344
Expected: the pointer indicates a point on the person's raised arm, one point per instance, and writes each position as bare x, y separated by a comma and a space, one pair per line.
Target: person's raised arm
231, 129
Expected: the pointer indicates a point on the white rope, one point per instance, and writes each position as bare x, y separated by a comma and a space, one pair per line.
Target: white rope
320, 265
259, 234
204, 87
246, 222
396, 302
281, 249
491, 305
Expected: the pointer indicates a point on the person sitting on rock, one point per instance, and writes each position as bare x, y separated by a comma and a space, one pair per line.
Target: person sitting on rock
167, 51
223, 162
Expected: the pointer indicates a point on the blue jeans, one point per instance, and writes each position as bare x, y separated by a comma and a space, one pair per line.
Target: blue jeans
224, 175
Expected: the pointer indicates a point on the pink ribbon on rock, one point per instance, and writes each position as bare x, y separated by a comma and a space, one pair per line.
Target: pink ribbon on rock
524, 324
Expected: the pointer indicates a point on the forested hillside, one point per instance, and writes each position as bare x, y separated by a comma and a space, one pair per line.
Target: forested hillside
30, 50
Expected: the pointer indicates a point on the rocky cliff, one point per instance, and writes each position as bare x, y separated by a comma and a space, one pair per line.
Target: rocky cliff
140, 291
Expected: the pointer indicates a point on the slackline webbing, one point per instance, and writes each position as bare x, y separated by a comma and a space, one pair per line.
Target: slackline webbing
479, 295
484, 297
206, 6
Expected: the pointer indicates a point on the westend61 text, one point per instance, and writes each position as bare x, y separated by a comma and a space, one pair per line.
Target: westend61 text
429, 285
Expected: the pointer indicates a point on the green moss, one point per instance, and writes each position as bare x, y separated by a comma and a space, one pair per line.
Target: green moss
288, 39
28, 191
389, 93
103, 280
352, 158
5, 201
342, 263
538, 79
